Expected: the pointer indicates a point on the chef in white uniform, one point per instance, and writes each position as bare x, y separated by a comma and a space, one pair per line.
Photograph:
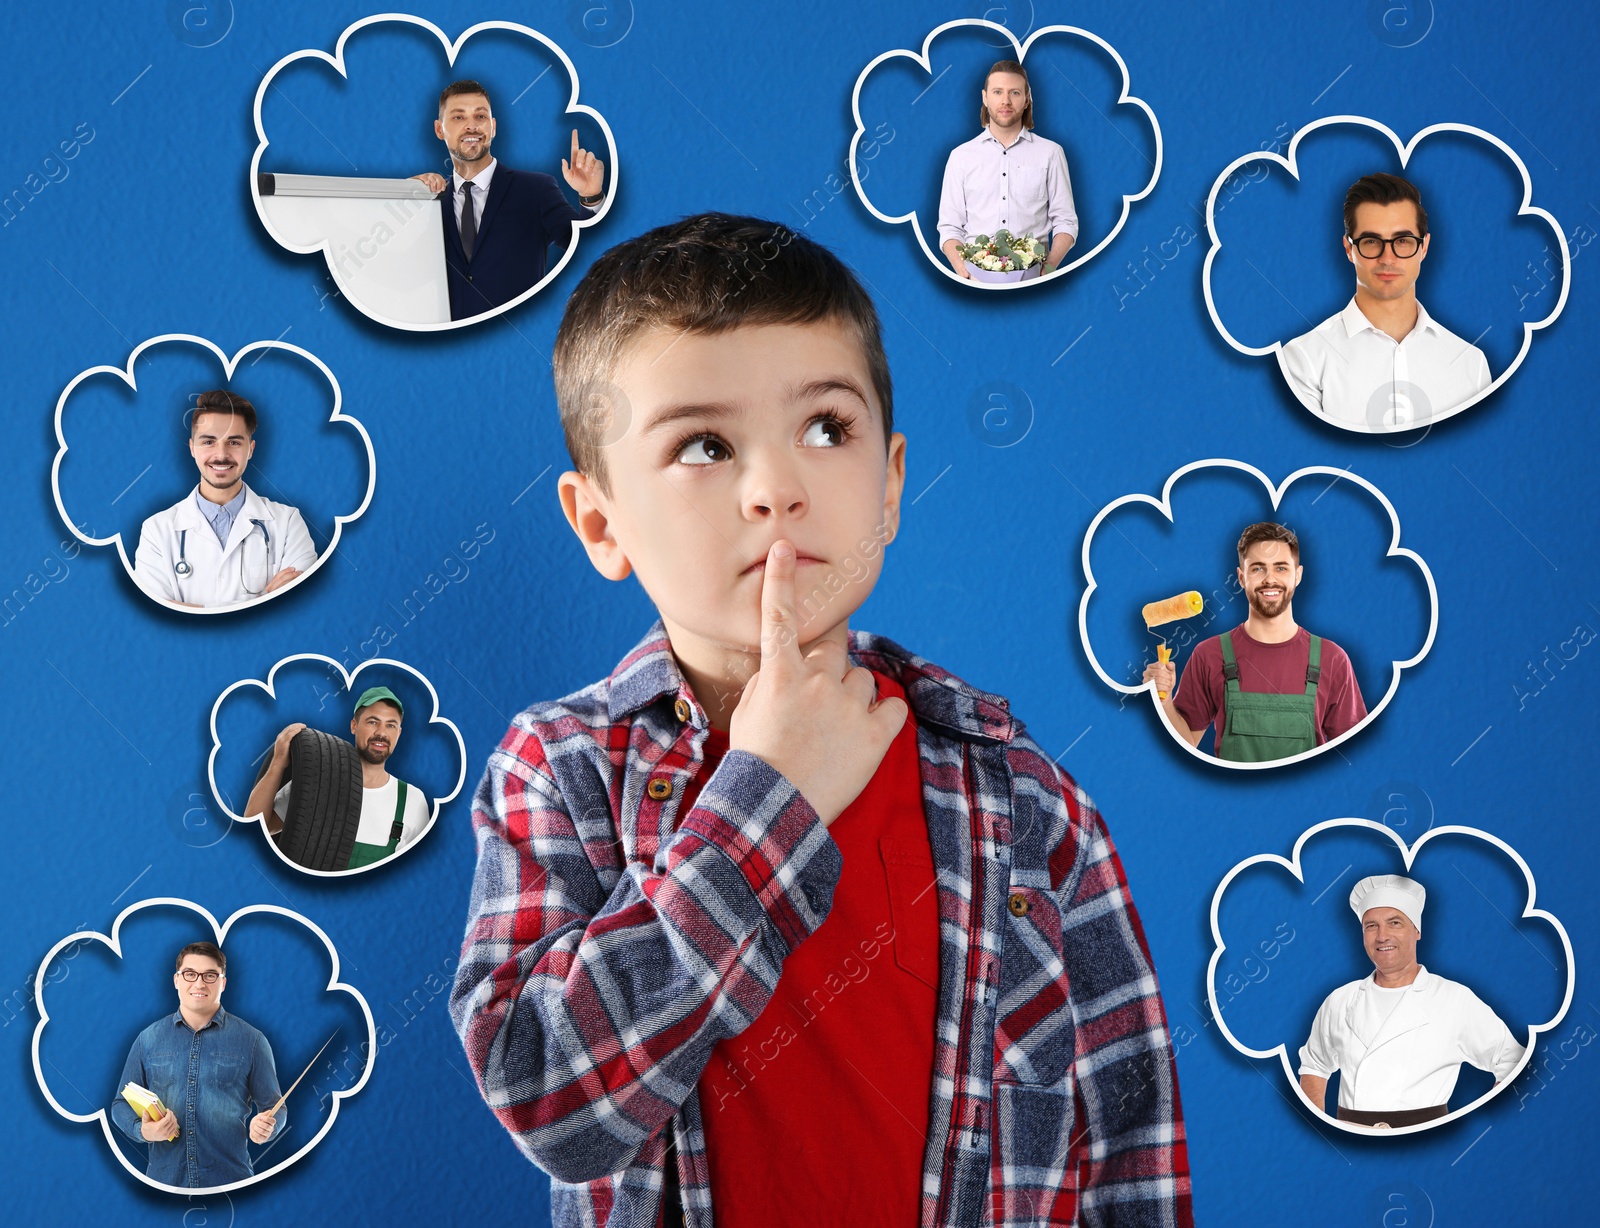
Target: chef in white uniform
1398, 1037
221, 544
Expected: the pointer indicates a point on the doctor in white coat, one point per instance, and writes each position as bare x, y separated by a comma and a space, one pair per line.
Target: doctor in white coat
1398, 1037
222, 544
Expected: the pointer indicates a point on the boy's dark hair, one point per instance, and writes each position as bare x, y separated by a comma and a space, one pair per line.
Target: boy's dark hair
218, 401
704, 274
1267, 531
208, 949
1010, 66
461, 87
1382, 189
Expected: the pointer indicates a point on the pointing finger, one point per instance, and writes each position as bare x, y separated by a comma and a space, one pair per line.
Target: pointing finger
780, 637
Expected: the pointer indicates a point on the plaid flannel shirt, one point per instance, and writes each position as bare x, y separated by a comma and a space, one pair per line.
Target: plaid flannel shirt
613, 942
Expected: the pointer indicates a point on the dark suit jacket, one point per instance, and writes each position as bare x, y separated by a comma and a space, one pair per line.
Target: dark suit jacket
526, 212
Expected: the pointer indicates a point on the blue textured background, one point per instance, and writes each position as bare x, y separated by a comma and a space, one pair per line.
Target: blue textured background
149, 229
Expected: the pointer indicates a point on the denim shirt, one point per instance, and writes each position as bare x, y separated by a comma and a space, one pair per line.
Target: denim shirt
209, 1079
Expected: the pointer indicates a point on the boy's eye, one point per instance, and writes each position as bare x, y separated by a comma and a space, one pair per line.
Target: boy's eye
704, 450
824, 433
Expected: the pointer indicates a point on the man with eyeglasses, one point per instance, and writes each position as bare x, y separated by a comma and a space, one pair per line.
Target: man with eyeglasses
208, 1068
1383, 363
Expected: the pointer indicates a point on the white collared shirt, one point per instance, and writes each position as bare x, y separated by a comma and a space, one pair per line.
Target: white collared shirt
1023, 188
480, 191
1353, 372
1403, 1049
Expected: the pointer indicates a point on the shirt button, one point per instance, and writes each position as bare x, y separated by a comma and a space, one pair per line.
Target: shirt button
681, 710
1018, 904
659, 789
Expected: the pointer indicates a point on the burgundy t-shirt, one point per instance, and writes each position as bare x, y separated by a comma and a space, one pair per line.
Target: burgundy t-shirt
1273, 669
818, 1112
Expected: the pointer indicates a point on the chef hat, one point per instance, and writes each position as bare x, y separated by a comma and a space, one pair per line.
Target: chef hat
1395, 891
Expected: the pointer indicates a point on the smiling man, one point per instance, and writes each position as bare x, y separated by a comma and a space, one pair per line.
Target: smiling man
1271, 687
499, 223
222, 544
1383, 363
1398, 1037
393, 813
1007, 177
208, 1068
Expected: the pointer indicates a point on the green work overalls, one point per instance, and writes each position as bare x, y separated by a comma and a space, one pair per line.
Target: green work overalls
365, 854
1258, 727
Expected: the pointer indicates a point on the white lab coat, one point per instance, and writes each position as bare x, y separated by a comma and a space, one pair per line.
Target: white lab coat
1411, 1059
220, 576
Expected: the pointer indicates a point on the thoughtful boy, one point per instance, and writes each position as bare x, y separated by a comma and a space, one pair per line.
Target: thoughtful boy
781, 924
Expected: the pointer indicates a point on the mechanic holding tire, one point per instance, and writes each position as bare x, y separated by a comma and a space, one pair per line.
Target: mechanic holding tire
307, 792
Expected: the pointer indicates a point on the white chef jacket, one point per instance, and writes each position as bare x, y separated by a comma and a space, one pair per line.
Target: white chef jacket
1350, 370
1408, 1057
266, 537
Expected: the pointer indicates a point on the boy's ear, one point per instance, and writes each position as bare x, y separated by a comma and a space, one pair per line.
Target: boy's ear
588, 514
894, 486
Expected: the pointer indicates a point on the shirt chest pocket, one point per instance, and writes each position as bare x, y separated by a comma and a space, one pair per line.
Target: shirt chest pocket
1034, 1039
913, 906
162, 1075
224, 1073
1028, 185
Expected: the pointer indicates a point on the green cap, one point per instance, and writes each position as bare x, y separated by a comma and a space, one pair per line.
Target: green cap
377, 694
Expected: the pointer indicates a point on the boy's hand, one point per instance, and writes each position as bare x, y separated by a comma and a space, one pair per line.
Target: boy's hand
811, 715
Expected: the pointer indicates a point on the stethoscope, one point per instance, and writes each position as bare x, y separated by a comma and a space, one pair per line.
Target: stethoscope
183, 568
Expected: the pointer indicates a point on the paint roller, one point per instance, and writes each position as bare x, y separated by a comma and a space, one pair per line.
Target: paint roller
1171, 610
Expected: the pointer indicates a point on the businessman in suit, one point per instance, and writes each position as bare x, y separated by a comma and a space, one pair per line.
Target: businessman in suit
499, 223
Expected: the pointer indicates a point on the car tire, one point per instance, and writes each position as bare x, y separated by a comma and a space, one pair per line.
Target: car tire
324, 807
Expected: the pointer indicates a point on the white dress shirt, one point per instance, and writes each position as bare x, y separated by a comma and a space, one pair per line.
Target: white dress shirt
1402, 1048
1353, 372
480, 191
1024, 189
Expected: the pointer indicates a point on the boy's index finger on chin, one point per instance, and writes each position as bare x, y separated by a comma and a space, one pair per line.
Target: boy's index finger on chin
779, 636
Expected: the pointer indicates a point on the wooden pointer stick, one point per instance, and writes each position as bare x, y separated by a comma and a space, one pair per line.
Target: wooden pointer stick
273, 1111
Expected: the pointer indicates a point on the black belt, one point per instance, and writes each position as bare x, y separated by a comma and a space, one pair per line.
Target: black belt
1394, 1119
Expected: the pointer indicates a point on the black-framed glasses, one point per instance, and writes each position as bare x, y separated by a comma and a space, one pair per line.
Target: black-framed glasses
1403, 246
209, 976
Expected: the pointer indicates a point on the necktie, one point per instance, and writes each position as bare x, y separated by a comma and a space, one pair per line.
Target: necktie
469, 224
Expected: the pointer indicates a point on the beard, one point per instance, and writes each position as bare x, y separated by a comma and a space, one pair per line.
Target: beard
210, 480
461, 154
1273, 608
373, 756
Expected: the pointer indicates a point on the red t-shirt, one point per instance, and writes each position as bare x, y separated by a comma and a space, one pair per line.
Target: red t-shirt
818, 1112
1273, 669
